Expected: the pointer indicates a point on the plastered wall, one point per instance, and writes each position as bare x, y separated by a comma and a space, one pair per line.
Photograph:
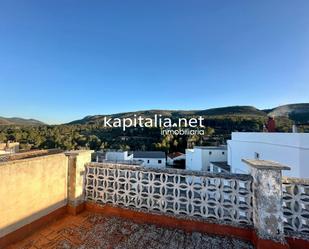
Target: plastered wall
30, 189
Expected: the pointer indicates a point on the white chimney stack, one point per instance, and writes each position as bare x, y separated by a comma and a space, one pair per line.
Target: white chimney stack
294, 128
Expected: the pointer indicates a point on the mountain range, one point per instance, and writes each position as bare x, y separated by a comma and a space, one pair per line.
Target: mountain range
20, 121
299, 113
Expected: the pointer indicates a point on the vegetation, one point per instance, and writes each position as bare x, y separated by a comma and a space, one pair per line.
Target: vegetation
91, 134
97, 137
19, 121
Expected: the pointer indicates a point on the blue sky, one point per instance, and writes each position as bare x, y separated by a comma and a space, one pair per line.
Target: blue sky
63, 60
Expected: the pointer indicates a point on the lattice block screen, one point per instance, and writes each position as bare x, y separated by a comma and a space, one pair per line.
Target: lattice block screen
296, 207
218, 198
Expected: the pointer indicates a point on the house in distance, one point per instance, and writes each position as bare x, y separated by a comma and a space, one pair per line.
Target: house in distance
156, 159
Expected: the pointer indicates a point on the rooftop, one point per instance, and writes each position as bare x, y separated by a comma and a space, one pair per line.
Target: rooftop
28, 154
90, 230
222, 165
174, 154
64, 201
221, 147
148, 154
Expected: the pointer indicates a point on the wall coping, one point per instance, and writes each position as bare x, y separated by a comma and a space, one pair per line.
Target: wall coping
265, 164
77, 152
34, 158
171, 171
304, 181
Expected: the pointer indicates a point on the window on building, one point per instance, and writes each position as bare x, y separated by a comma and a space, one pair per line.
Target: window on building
210, 152
159, 161
148, 161
256, 155
223, 152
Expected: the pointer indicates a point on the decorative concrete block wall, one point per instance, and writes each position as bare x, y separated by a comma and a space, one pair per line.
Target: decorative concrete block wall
274, 207
221, 198
296, 207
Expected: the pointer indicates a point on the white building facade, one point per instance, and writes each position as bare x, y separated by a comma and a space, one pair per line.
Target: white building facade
9, 148
291, 149
154, 159
118, 156
200, 157
122, 157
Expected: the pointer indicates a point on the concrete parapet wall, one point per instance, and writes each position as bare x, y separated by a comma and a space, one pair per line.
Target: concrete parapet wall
223, 198
30, 189
76, 168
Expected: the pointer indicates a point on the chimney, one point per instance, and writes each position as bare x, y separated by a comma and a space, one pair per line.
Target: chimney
294, 128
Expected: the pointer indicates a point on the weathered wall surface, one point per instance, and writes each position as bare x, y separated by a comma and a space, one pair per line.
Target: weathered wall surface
267, 198
267, 202
77, 161
30, 189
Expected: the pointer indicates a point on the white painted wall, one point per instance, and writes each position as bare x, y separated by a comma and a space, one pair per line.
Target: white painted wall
9, 148
199, 157
153, 162
193, 161
118, 156
291, 149
3, 152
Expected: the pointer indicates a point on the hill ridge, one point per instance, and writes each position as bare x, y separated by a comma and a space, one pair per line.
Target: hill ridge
298, 112
20, 121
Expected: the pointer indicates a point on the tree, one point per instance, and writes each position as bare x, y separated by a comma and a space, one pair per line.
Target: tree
94, 142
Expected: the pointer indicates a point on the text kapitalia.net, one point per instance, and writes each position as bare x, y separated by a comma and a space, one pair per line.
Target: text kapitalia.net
156, 121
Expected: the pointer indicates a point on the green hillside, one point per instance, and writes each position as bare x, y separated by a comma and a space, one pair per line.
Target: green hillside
19, 121
89, 133
296, 112
221, 112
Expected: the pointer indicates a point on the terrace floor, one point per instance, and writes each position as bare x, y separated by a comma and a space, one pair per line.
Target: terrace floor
96, 231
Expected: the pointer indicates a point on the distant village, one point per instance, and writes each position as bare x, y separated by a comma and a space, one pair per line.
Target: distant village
286, 148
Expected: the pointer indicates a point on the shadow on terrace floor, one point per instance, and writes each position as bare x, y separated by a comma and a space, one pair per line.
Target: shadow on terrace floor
89, 230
